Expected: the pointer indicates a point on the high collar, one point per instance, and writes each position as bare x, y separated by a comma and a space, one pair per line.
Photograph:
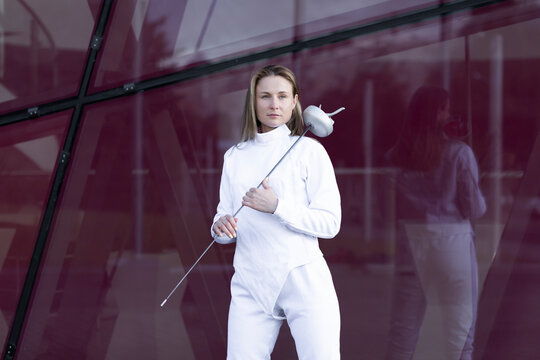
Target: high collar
270, 136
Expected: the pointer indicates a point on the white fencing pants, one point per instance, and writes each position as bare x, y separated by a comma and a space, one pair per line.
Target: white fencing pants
434, 304
309, 303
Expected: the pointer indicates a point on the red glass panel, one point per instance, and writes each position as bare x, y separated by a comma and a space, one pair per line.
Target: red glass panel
410, 264
133, 215
416, 290
43, 50
145, 39
29, 152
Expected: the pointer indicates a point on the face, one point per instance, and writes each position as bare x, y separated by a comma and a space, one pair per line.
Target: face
274, 102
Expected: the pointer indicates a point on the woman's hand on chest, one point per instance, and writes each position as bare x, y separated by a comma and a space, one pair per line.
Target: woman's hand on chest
262, 199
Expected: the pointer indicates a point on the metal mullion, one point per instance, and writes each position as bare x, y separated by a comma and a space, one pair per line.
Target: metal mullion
45, 109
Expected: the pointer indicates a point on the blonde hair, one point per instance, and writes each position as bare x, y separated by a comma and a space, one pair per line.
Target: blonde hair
250, 123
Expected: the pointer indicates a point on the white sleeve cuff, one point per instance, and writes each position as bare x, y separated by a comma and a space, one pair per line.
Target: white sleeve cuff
282, 210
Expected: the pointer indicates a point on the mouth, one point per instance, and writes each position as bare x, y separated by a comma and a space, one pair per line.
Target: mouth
273, 115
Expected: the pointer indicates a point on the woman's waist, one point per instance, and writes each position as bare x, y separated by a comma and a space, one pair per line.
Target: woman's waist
431, 228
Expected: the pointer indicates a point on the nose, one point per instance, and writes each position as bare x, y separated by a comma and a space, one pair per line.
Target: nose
274, 103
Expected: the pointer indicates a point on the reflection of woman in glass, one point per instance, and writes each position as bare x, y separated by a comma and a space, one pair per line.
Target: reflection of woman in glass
437, 193
279, 269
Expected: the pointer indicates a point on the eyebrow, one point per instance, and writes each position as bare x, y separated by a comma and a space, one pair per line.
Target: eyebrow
279, 92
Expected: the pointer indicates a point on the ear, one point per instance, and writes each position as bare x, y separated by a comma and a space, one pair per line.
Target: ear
295, 99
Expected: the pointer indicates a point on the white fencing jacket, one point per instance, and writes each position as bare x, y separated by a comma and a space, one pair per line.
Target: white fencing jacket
269, 246
448, 194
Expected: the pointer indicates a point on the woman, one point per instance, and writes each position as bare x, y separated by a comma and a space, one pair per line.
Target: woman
437, 194
280, 273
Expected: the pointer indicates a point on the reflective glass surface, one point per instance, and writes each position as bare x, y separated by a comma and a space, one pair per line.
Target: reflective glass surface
436, 158
29, 153
149, 38
422, 250
134, 214
43, 50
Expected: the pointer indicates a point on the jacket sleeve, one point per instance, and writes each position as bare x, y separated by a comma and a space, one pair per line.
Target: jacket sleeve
225, 201
321, 217
470, 200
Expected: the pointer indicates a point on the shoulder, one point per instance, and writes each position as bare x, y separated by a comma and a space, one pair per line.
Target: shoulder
460, 150
457, 146
229, 153
233, 150
312, 153
309, 144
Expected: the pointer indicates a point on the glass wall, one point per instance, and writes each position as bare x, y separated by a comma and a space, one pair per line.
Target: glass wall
150, 38
29, 152
438, 252
40, 60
